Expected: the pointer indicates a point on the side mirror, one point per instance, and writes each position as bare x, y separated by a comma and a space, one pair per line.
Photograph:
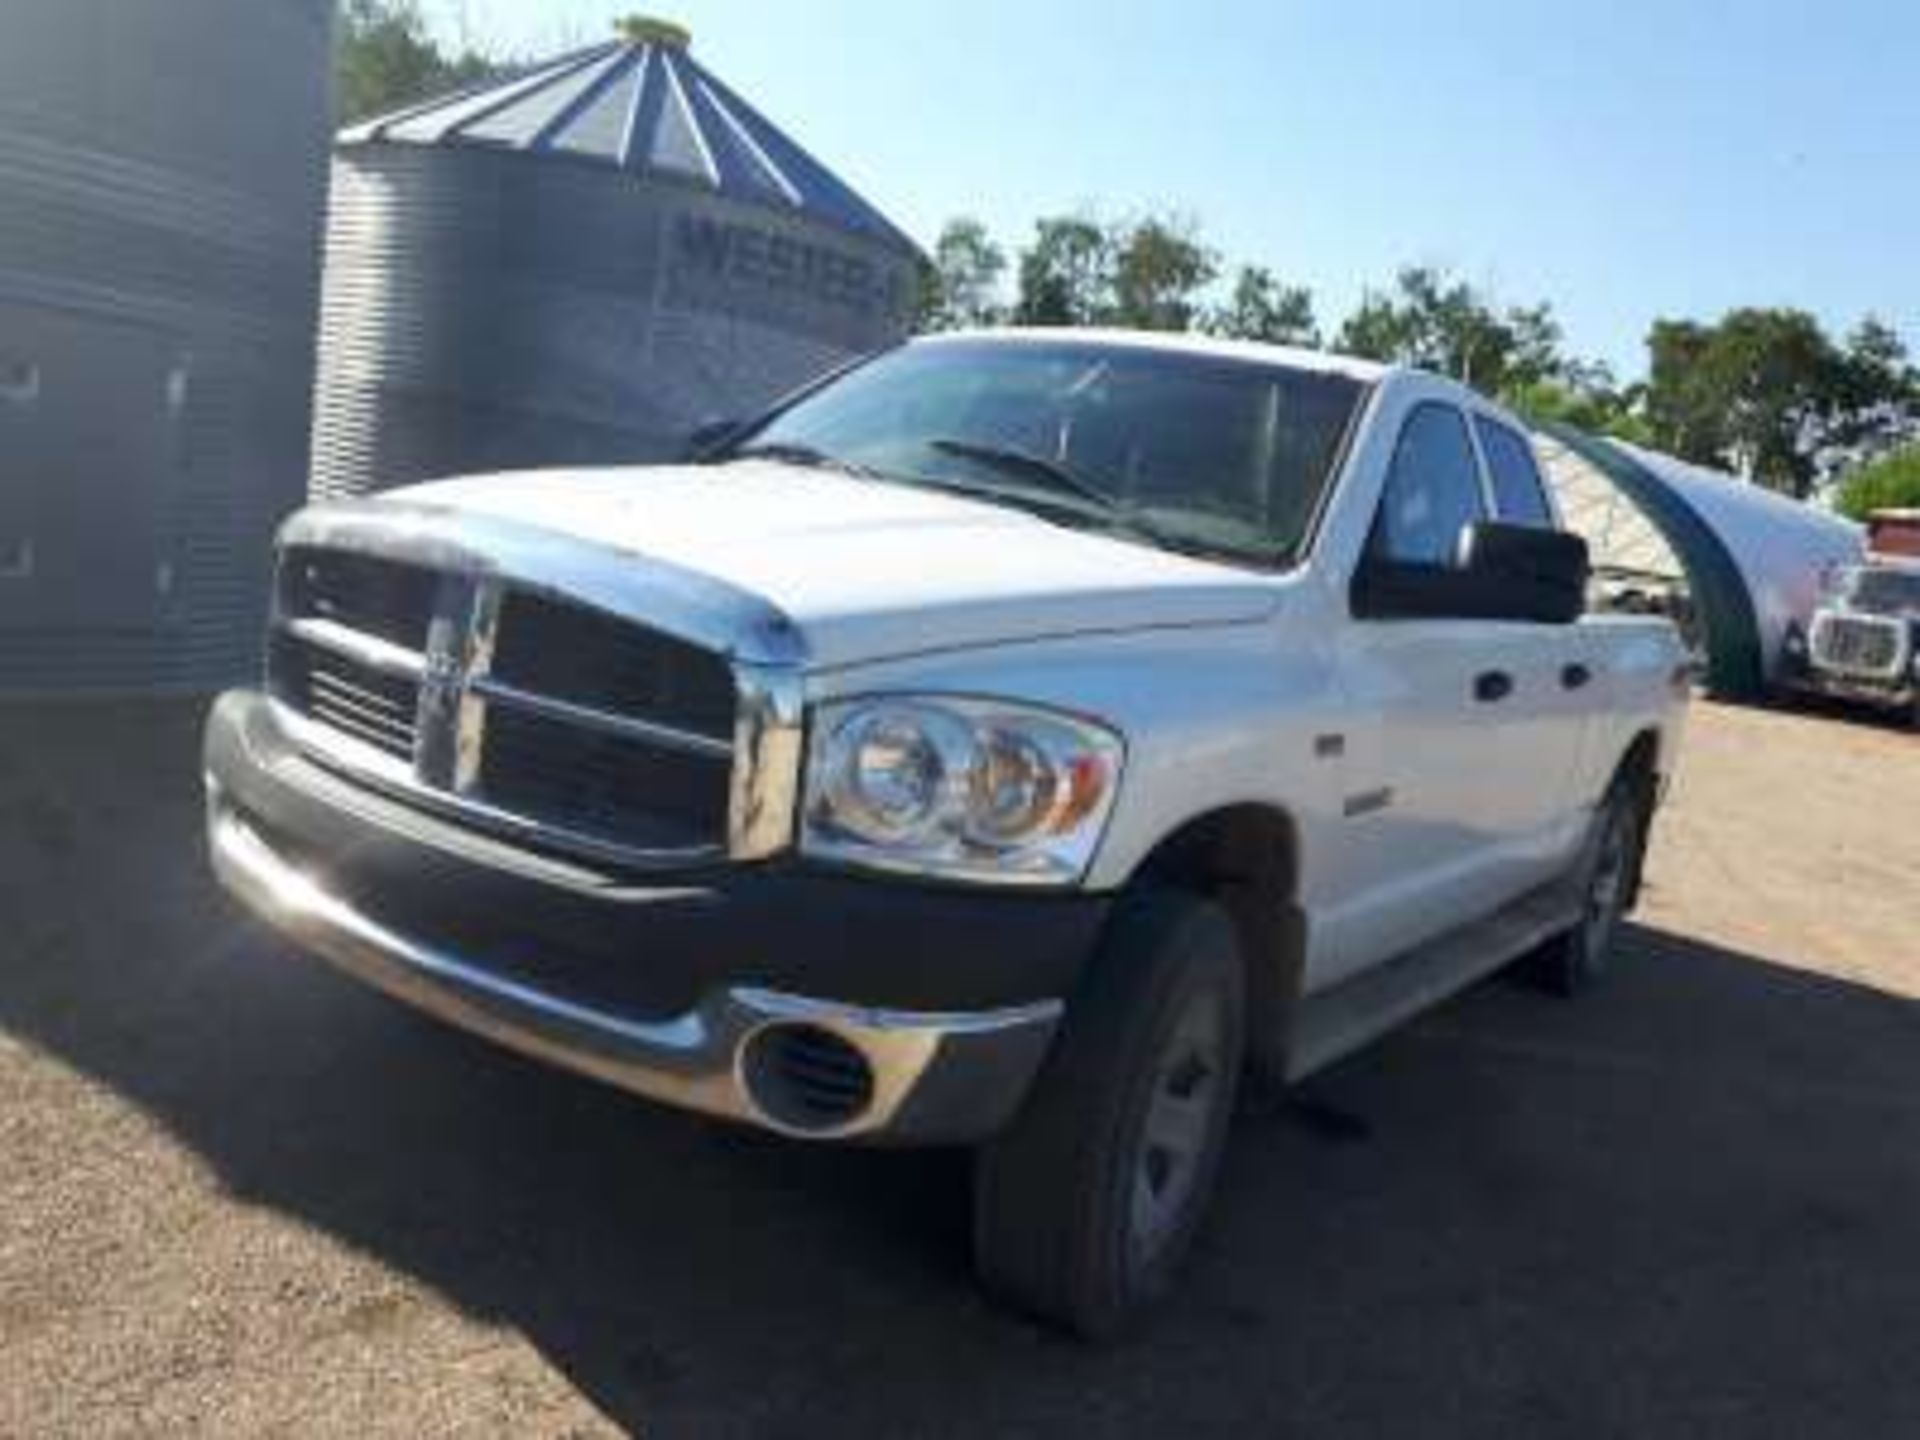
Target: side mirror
711, 436
1532, 574
1501, 572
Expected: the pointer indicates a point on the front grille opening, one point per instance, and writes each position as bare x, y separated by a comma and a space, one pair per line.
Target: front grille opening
585, 779
362, 703
1858, 644
806, 1077
627, 791
549, 647
364, 593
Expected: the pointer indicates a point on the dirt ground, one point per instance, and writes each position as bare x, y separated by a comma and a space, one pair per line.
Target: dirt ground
239, 1195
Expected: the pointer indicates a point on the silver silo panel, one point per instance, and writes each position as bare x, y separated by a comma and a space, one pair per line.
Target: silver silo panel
161, 180
582, 264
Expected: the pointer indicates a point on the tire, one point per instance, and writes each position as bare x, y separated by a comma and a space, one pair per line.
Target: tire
1608, 877
1087, 1204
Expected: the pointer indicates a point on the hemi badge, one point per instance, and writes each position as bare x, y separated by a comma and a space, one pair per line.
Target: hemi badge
1368, 801
1329, 747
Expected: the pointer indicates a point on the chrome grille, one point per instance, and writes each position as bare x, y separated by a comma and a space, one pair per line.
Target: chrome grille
622, 789
358, 701
547, 719
363, 593
1858, 644
549, 647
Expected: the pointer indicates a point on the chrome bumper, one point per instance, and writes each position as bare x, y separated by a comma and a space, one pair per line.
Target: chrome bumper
936, 1078
1891, 692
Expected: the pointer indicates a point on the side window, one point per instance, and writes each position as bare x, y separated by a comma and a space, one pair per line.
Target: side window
1433, 490
1518, 493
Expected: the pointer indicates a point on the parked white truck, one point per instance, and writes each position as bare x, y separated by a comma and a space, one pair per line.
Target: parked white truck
1011, 741
1862, 643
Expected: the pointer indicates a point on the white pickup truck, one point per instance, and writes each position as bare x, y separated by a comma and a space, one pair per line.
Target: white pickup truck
1011, 741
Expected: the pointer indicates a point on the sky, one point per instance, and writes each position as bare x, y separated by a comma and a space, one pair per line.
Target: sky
1628, 160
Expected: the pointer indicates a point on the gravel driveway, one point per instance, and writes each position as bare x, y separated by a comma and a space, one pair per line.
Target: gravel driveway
239, 1195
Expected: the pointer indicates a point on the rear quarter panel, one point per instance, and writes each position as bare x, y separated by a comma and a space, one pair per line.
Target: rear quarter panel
1647, 688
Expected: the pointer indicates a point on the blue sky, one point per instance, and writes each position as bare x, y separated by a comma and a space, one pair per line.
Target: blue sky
1624, 160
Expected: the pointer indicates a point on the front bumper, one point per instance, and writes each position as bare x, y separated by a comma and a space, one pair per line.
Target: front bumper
1890, 694
950, 999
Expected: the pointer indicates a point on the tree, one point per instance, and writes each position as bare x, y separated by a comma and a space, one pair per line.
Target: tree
1066, 275
385, 57
1375, 331
1147, 274
1755, 392
1680, 407
1440, 323
1765, 392
1891, 483
1586, 397
1260, 307
1159, 268
1531, 355
1878, 397
961, 289
1876, 350
1775, 373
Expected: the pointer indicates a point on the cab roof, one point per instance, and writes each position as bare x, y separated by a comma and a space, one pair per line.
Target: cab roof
1368, 372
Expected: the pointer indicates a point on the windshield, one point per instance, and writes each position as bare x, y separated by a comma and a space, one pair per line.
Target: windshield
1224, 456
1882, 591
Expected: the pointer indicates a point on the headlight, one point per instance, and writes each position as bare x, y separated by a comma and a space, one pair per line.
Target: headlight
964, 789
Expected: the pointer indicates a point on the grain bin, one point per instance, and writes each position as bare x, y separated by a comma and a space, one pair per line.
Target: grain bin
582, 264
162, 172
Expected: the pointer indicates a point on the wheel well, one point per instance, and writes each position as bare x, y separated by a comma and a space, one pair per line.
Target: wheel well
1641, 764
1640, 769
1247, 858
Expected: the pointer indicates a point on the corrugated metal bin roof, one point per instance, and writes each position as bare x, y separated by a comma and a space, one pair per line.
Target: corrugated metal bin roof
646, 107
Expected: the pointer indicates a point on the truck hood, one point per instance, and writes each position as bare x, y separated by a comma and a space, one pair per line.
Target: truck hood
865, 570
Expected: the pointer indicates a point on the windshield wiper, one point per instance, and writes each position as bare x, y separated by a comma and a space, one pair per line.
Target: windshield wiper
792, 452
1054, 473
1088, 497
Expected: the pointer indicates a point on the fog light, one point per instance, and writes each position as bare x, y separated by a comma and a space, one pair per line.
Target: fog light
806, 1078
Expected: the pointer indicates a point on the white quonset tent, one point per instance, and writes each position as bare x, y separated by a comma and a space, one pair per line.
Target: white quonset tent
1734, 562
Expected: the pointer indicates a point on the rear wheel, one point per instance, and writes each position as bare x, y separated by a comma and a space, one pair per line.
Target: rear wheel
1608, 878
1086, 1205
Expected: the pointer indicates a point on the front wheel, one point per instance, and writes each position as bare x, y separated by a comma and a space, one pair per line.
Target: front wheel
1086, 1205
1608, 875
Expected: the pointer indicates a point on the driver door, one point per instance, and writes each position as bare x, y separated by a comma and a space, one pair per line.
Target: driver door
1440, 740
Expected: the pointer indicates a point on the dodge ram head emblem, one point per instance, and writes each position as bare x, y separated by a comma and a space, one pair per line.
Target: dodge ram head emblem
450, 717
444, 662
443, 755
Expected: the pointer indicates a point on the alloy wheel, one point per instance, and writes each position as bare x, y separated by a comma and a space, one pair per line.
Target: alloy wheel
1170, 1154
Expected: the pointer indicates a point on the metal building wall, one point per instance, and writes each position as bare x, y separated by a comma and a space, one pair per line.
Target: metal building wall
581, 266
161, 183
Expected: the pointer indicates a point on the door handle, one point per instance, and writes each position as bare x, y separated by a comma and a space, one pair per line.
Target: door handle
1574, 676
1491, 685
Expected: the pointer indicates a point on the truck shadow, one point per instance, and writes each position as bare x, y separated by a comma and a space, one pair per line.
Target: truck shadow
1859, 716
1685, 1204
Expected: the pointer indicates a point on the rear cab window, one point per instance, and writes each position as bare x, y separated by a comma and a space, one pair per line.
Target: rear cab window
1519, 494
